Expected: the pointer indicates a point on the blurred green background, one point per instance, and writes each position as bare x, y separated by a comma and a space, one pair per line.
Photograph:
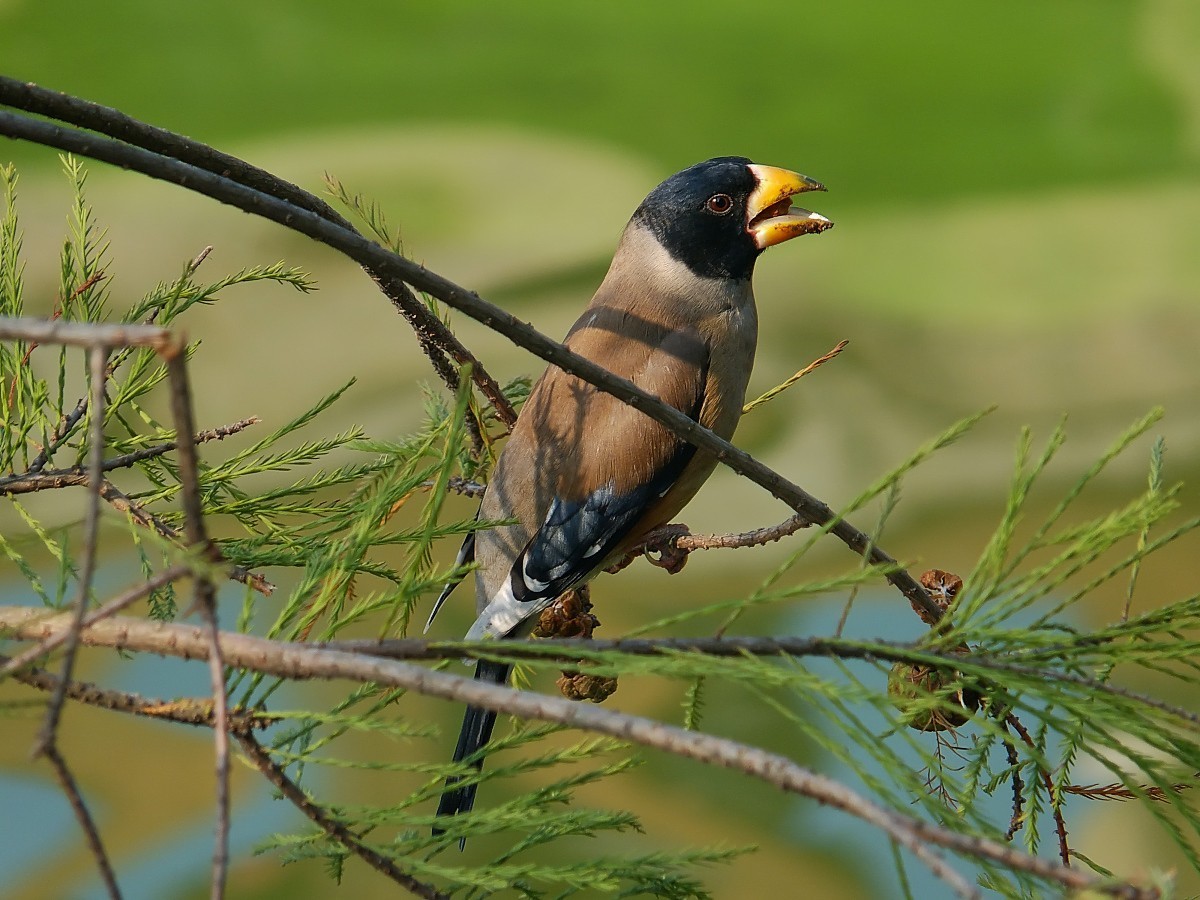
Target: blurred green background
1017, 195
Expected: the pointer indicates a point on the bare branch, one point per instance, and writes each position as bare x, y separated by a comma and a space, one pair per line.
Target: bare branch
390, 266
97, 359
938, 866
200, 437
571, 650
1060, 824
1017, 819
67, 781
183, 710
32, 482
755, 538
460, 485
59, 435
120, 501
675, 542
85, 334
291, 660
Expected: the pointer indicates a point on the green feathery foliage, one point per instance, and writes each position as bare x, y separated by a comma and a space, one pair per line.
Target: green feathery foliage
1014, 691
324, 508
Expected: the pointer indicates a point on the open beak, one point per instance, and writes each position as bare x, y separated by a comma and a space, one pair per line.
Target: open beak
770, 217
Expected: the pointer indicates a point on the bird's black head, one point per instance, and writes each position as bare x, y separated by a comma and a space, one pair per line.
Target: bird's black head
717, 216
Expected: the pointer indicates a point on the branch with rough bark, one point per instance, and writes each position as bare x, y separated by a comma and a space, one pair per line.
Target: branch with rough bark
302, 661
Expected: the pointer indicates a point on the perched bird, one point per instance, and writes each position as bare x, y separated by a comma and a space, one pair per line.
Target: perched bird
586, 476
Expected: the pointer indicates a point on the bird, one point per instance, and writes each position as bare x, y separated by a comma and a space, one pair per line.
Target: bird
584, 476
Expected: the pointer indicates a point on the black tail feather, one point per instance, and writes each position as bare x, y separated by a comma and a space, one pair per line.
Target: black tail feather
475, 733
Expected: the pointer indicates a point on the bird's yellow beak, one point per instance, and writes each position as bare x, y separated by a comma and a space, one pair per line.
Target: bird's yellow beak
770, 216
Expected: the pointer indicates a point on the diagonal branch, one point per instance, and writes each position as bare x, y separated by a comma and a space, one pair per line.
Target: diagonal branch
47, 740
41, 479
435, 338
791, 380
67, 781
200, 437
60, 434
291, 660
387, 265
182, 710
336, 830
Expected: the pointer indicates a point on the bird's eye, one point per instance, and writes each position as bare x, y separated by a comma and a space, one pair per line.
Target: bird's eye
719, 204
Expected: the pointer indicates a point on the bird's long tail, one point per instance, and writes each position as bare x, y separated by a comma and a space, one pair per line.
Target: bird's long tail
475, 733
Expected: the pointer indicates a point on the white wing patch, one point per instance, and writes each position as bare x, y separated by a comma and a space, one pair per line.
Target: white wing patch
532, 584
503, 613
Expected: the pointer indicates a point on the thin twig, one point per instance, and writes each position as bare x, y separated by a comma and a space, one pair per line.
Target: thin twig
199, 260
780, 388
382, 262
674, 543
1121, 793
60, 434
42, 480
687, 541
336, 830
1018, 789
206, 601
939, 867
182, 710
1060, 824
200, 437
67, 781
97, 358
291, 660
119, 500
461, 485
